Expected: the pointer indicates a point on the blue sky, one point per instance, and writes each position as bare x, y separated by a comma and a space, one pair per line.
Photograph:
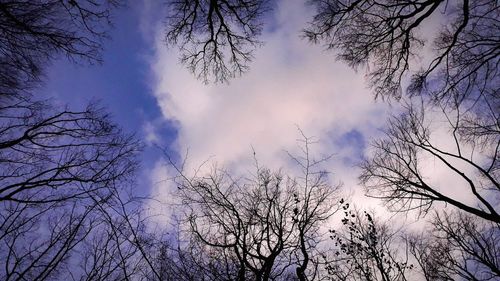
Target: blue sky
120, 83
290, 84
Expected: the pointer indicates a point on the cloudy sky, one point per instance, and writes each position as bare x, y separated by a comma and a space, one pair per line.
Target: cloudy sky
291, 84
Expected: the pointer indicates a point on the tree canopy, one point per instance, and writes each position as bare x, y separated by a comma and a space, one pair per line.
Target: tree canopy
69, 208
32, 34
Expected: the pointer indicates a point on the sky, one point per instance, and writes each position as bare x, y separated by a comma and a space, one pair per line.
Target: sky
121, 84
292, 86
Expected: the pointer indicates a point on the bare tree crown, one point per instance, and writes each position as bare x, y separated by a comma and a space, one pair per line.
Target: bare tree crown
217, 38
32, 33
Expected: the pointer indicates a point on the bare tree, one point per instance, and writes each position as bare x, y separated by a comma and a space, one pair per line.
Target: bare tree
59, 171
32, 33
216, 37
178, 259
265, 226
394, 171
120, 247
49, 156
460, 246
69, 239
64, 210
27, 256
365, 249
462, 83
387, 36
89, 238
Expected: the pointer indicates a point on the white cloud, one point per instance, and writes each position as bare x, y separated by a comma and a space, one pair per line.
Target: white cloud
150, 133
291, 83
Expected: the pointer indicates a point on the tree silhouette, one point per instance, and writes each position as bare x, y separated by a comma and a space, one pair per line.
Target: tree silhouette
89, 238
216, 37
460, 246
49, 156
267, 226
177, 259
32, 33
60, 172
387, 36
455, 86
66, 212
366, 249
394, 171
